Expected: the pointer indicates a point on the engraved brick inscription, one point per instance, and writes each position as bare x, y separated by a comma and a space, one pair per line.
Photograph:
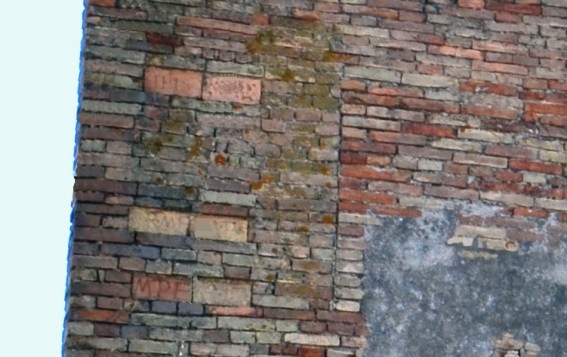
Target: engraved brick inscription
233, 89
173, 82
161, 288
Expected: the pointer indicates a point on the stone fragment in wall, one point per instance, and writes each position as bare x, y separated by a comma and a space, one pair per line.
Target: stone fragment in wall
222, 292
219, 228
157, 221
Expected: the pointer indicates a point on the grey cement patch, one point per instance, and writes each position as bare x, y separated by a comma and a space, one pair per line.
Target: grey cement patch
422, 299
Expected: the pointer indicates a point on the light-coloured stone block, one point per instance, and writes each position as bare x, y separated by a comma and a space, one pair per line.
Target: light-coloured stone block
152, 220
219, 228
315, 340
222, 292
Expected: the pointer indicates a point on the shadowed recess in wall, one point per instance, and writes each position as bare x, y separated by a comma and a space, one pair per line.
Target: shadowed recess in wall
424, 299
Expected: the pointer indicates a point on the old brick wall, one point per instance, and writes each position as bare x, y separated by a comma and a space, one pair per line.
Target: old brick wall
310, 178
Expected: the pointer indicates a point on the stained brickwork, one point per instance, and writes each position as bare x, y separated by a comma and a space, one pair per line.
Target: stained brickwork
235, 160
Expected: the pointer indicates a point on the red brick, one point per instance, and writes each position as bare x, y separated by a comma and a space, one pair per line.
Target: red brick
556, 109
105, 3
311, 352
154, 287
389, 137
487, 87
309, 16
496, 47
396, 91
353, 158
234, 311
260, 19
365, 172
173, 82
365, 196
110, 316
491, 112
508, 17
509, 176
456, 52
353, 85
361, 146
554, 169
431, 39
353, 207
283, 350
499, 68
168, 40
472, 4
233, 89
526, 9
357, 98
225, 210
339, 316
441, 131
429, 105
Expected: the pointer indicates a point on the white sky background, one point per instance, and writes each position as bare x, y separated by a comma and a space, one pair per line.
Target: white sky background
39, 69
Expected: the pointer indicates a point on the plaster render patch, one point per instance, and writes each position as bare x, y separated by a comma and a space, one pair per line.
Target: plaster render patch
157, 221
427, 296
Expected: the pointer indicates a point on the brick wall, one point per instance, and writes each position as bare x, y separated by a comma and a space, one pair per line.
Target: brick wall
240, 163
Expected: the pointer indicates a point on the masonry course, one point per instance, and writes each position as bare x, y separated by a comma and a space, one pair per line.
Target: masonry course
314, 177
